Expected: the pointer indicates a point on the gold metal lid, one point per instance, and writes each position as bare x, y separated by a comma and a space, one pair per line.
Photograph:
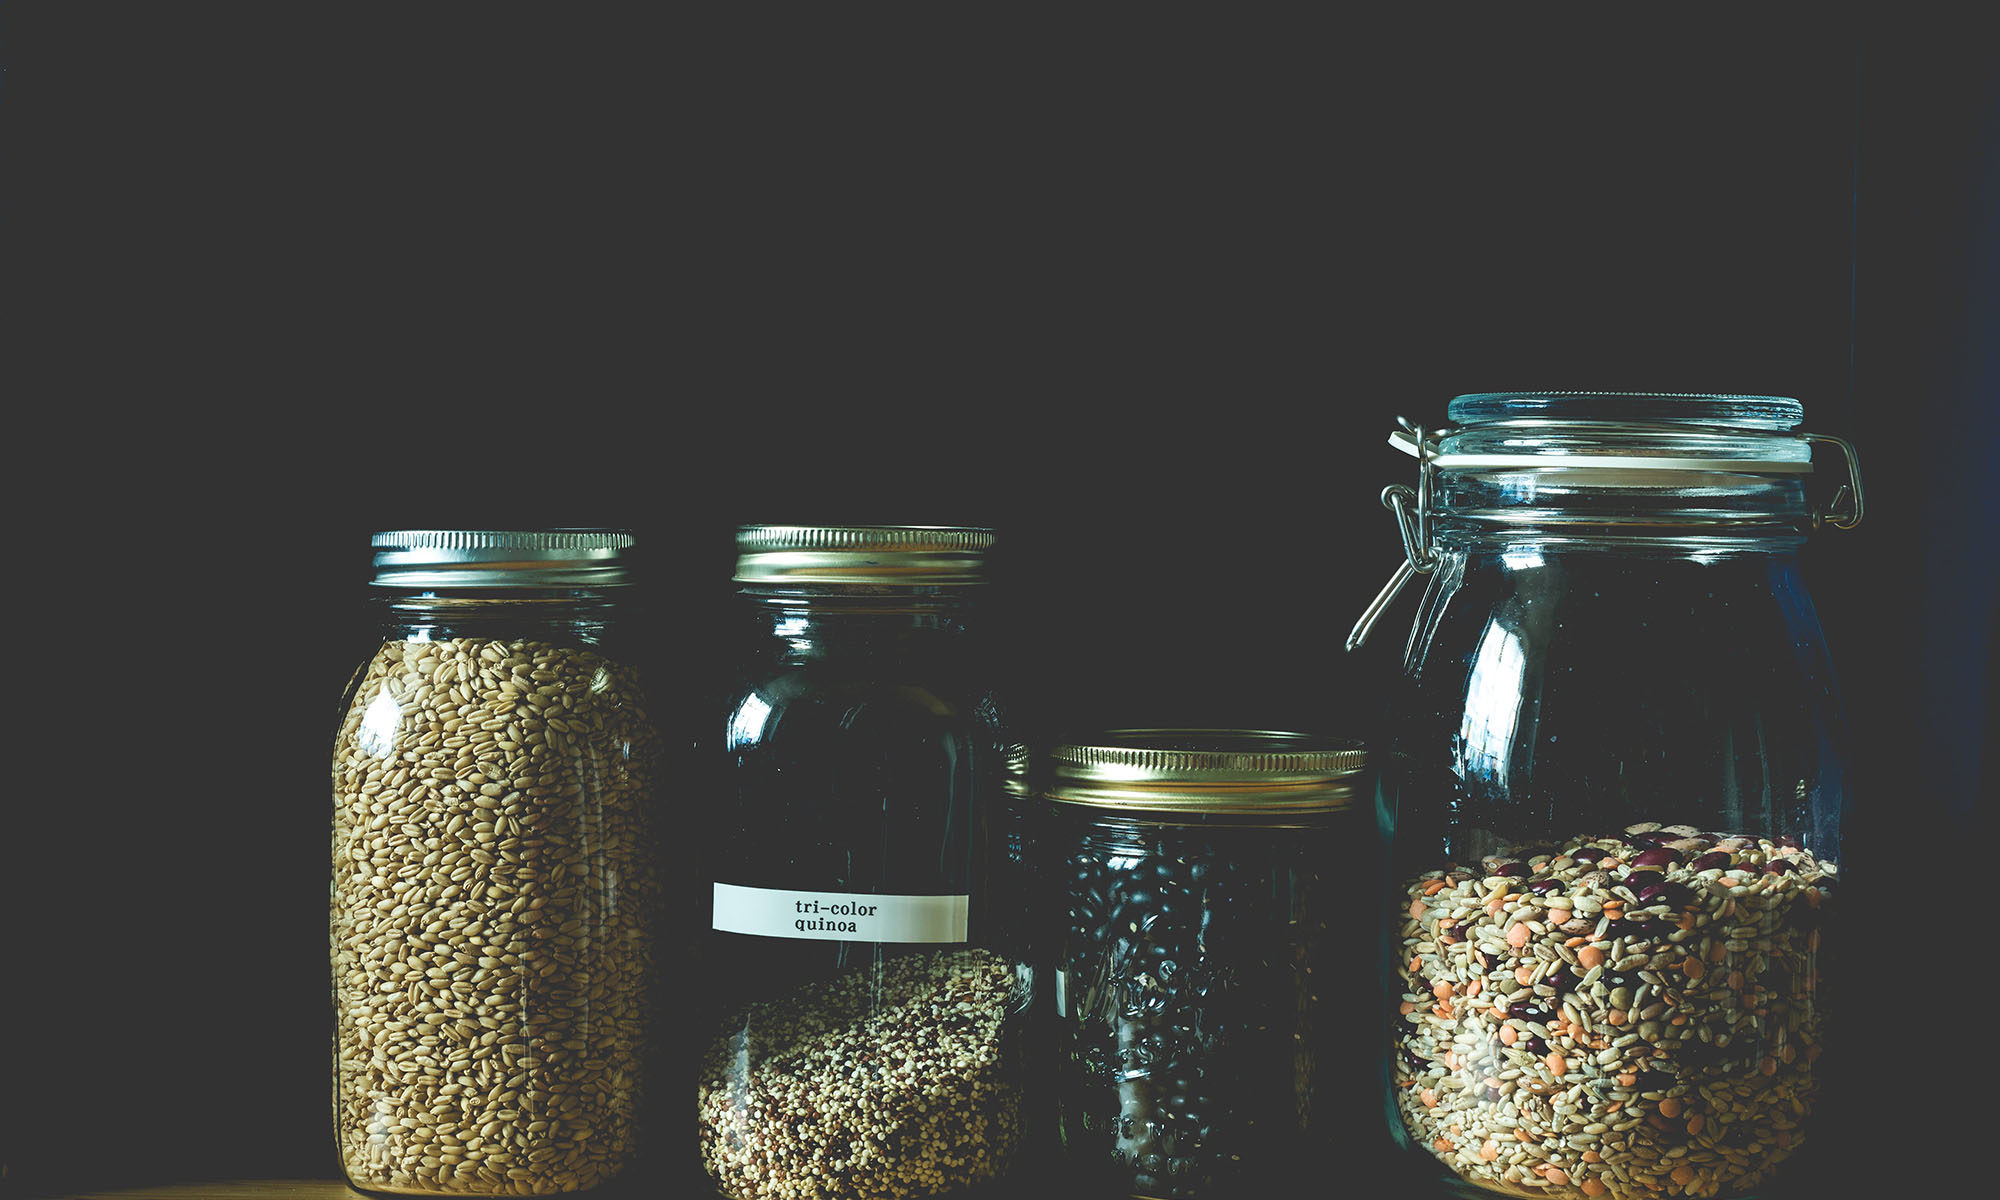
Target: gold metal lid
1208, 771
891, 555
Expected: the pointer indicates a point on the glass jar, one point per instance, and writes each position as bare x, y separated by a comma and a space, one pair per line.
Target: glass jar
1199, 1053
494, 889
1614, 793
864, 1034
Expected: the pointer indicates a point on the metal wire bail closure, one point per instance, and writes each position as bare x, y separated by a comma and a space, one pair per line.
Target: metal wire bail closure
1412, 506
1849, 491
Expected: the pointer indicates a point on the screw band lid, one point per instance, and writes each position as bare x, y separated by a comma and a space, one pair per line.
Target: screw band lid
499, 558
1240, 771
876, 555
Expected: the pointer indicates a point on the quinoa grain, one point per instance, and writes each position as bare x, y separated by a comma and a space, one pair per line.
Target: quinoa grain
892, 1080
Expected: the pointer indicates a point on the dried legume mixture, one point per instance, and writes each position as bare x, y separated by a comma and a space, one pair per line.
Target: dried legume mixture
1628, 1016
491, 893
888, 1081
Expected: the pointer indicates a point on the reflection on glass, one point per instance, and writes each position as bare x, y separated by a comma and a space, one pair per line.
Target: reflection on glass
1493, 706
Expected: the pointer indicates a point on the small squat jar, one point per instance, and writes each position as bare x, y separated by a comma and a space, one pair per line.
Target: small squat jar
1614, 795
860, 1000
493, 890
1206, 1016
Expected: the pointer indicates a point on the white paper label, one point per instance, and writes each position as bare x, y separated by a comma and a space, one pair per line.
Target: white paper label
838, 916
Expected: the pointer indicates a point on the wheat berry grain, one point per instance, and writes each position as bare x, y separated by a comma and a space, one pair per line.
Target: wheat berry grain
491, 901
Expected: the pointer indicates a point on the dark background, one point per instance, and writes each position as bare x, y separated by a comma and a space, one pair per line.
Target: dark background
1146, 290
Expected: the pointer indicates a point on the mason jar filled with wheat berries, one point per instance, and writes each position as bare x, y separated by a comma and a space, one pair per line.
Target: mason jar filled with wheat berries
1614, 793
861, 1004
494, 884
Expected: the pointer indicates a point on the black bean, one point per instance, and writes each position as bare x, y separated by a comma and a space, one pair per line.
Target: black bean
1201, 971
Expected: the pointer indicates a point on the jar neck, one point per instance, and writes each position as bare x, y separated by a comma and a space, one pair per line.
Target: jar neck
1529, 542
810, 621
1726, 513
570, 616
1114, 829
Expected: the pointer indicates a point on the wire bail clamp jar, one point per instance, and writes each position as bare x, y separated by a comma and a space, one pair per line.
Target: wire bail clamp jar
1613, 792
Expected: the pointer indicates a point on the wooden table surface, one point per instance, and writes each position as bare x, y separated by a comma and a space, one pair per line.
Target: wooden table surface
309, 1188
229, 1189
275, 1189
329, 1189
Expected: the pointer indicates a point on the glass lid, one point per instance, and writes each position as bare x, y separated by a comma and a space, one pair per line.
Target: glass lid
1721, 411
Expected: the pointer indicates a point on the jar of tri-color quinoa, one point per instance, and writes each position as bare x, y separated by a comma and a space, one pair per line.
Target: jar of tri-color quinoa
860, 998
1614, 792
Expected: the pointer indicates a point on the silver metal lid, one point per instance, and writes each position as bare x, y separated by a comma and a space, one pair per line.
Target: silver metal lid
493, 558
876, 555
1241, 771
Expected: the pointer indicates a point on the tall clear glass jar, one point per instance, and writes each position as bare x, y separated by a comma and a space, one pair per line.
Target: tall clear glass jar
866, 999
1208, 879
493, 880
1614, 794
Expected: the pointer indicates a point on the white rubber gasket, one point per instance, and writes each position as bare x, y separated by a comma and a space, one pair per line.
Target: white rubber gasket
1618, 462
1604, 462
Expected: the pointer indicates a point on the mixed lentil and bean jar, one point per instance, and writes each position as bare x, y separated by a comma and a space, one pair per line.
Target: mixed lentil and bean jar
1614, 795
1205, 989
494, 882
862, 1035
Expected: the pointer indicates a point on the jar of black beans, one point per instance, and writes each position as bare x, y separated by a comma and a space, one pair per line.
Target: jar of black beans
1207, 1027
